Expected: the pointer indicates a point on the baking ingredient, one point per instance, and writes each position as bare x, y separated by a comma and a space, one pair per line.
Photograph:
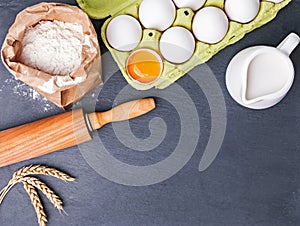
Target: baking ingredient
62, 92
275, 1
54, 47
144, 66
192, 4
266, 74
33, 170
37, 204
124, 33
242, 11
210, 25
177, 44
26, 93
48, 192
203, 51
43, 170
157, 14
32, 183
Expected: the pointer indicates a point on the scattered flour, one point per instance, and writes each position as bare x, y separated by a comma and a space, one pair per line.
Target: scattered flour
54, 47
25, 92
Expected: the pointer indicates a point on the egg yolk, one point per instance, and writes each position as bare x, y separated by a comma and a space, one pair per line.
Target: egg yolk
143, 66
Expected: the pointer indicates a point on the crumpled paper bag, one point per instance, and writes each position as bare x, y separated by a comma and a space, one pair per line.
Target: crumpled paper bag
89, 72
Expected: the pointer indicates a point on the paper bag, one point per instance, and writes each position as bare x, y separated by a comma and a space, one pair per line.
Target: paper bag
89, 72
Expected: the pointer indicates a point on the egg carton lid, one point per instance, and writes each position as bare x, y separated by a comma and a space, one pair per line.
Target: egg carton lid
99, 9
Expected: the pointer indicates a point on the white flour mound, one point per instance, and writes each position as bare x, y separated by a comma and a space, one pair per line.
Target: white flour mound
54, 47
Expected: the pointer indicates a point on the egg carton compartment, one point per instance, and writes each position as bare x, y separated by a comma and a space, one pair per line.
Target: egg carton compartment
203, 51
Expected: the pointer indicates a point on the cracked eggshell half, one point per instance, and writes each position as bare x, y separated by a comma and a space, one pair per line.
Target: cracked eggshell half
192, 4
157, 14
124, 33
210, 25
177, 45
275, 1
242, 11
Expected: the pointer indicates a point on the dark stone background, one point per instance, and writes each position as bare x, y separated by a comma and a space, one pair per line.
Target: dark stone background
253, 181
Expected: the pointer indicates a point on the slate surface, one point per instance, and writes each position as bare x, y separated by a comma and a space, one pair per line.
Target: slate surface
253, 181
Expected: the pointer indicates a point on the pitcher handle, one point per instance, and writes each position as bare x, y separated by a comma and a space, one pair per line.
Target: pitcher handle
289, 43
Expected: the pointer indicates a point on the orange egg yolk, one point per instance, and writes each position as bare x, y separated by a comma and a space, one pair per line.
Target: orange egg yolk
143, 66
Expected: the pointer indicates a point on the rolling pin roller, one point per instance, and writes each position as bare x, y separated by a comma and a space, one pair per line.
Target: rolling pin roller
62, 131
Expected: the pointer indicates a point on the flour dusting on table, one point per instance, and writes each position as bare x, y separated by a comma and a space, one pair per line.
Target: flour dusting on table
27, 93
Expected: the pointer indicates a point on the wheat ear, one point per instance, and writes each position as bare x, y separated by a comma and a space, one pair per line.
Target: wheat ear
53, 198
38, 169
36, 202
33, 170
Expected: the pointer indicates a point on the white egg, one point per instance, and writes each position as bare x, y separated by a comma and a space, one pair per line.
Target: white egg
242, 11
157, 14
275, 1
210, 25
124, 33
177, 45
192, 4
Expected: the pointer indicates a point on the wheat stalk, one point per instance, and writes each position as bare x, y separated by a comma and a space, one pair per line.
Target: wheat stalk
38, 169
36, 202
30, 183
53, 198
33, 170
4, 191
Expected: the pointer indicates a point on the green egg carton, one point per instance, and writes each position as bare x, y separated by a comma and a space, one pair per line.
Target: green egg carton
203, 51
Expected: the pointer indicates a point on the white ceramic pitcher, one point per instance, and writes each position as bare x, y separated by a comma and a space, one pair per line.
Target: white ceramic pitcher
259, 77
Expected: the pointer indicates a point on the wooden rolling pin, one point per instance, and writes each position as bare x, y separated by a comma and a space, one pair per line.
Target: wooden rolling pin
62, 131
